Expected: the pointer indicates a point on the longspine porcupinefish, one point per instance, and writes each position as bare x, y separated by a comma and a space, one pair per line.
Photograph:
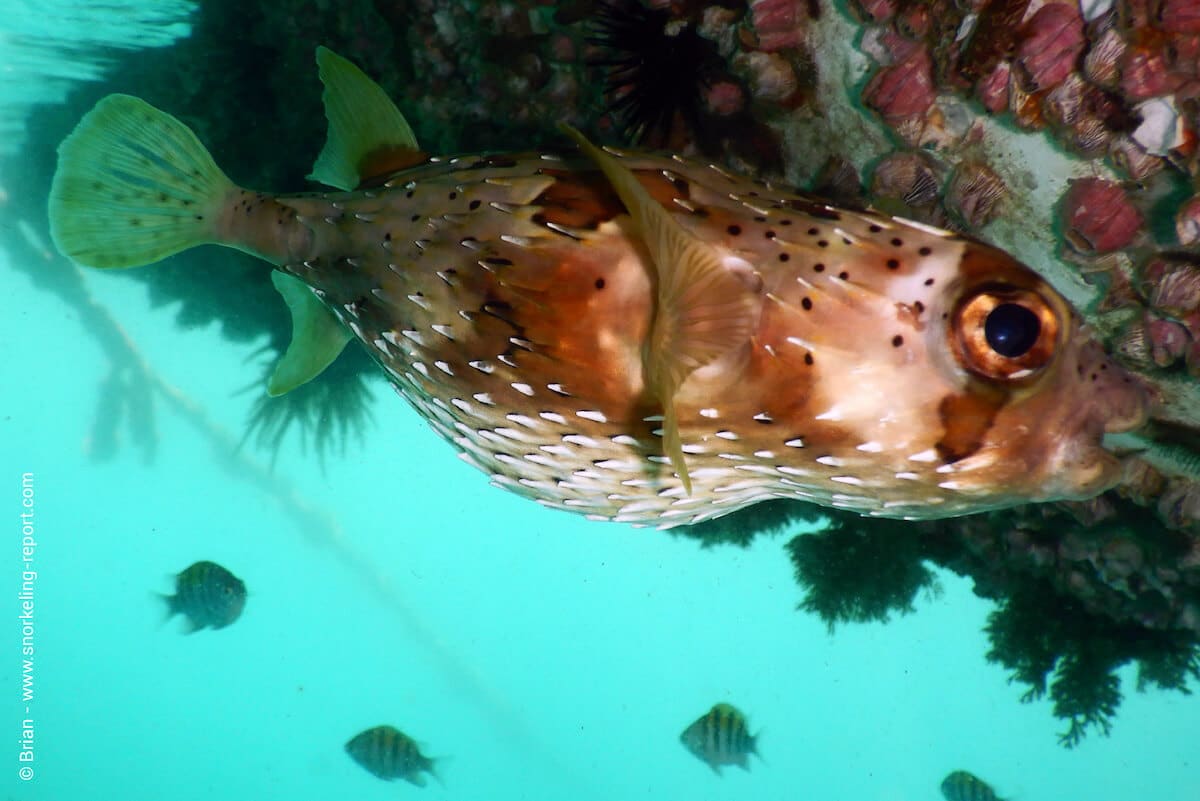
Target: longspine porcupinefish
636, 337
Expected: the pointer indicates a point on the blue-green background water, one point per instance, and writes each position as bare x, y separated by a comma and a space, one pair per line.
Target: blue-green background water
544, 656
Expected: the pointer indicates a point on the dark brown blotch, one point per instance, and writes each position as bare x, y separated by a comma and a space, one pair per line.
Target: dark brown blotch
966, 419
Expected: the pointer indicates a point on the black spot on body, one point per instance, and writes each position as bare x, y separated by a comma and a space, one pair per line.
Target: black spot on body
845, 276
819, 267
893, 264
599, 283
928, 282
474, 204
784, 257
897, 341
806, 303
808, 359
734, 230
924, 251
897, 242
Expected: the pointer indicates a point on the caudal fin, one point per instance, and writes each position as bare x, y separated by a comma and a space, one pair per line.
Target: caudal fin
133, 185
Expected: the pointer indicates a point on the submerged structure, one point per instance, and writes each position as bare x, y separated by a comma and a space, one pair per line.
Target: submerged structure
1061, 132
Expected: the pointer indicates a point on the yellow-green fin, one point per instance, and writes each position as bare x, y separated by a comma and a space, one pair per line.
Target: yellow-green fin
317, 337
133, 185
703, 309
365, 128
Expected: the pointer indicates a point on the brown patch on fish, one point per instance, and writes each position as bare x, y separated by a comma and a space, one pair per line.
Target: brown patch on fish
581, 200
382, 163
966, 420
585, 199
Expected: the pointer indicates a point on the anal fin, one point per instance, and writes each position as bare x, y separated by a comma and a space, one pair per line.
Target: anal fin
317, 337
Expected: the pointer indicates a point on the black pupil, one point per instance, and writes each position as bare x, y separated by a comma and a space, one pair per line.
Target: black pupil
1011, 330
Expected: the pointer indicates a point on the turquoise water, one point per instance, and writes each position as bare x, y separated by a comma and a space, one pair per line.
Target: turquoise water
543, 656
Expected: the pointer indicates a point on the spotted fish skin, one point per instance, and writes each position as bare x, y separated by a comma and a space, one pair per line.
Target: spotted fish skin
516, 301
510, 302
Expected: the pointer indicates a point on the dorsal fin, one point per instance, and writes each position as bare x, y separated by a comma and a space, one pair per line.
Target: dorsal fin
368, 136
703, 308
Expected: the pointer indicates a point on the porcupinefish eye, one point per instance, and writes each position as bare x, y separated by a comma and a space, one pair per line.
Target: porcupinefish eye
1005, 333
1011, 330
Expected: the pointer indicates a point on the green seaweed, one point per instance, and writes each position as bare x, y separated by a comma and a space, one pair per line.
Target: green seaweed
1051, 644
328, 414
862, 570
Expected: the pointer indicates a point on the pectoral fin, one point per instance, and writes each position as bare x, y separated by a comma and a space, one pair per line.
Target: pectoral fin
317, 337
703, 310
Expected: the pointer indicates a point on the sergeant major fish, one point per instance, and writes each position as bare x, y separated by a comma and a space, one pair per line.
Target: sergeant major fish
635, 337
208, 595
390, 754
959, 785
720, 737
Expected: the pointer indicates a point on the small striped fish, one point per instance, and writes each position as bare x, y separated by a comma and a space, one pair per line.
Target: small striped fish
631, 336
720, 737
963, 786
390, 754
208, 595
